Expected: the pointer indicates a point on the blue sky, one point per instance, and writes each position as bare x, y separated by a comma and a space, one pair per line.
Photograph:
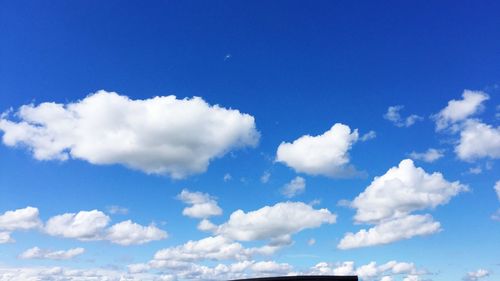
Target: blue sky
305, 113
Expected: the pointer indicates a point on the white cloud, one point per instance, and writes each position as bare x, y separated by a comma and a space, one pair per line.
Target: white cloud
476, 275
282, 219
368, 136
497, 189
130, 233
227, 177
402, 190
391, 198
394, 116
265, 177
5, 237
93, 225
459, 110
294, 187
117, 210
202, 204
84, 225
37, 253
311, 241
206, 225
478, 140
326, 154
20, 219
391, 230
429, 156
146, 135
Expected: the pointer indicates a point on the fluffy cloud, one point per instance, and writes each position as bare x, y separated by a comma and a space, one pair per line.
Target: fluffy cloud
429, 156
476, 275
296, 186
280, 220
391, 230
84, 225
92, 225
370, 271
478, 140
206, 225
20, 219
394, 116
37, 253
161, 135
459, 110
391, 198
401, 190
130, 233
202, 204
326, 154
5, 237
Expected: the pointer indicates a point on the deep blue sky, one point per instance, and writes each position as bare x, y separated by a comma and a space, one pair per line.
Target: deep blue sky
298, 67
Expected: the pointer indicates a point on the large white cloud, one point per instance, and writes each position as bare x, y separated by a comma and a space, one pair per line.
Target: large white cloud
402, 190
391, 230
478, 140
391, 198
280, 220
202, 204
326, 154
37, 253
459, 110
161, 135
93, 225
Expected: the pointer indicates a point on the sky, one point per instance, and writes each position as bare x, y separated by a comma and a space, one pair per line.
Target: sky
217, 140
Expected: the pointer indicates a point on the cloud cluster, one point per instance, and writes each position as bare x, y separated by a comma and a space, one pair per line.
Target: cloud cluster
391, 198
326, 154
161, 135
37, 253
394, 116
20, 219
202, 204
294, 187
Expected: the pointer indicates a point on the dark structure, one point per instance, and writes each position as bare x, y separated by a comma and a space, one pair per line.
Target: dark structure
303, 278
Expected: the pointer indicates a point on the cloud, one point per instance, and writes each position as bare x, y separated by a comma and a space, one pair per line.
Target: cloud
394, 116
5, 237
311, 241
280, 220
478, 140
93, 225
20, 219
476, 275
130, 233
429, 156
227, 177
391, 198
265, 177
202, 204
368, 136
497, 189
117, 210
391, 230
402, 190
146, 135
459, 110
294, 187
206, 225
37, 253
326, 154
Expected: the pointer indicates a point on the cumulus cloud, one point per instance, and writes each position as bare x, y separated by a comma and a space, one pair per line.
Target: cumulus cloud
476, 275
394, 116
20, 219
282, 219
294, 187
202, 204
206, 225
130, 233
459, 110
429, 156
478, 140
391, 230
93, 225
5, 237
326, 154
161, 135
37, 253
391, 198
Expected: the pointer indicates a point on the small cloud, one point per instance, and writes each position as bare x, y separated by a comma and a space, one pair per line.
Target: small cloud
117, 210
227, 177
429, 156
295, 187
368, 136
344, 203
394, 116
311, 242
265, 177
475, 170
227, 57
